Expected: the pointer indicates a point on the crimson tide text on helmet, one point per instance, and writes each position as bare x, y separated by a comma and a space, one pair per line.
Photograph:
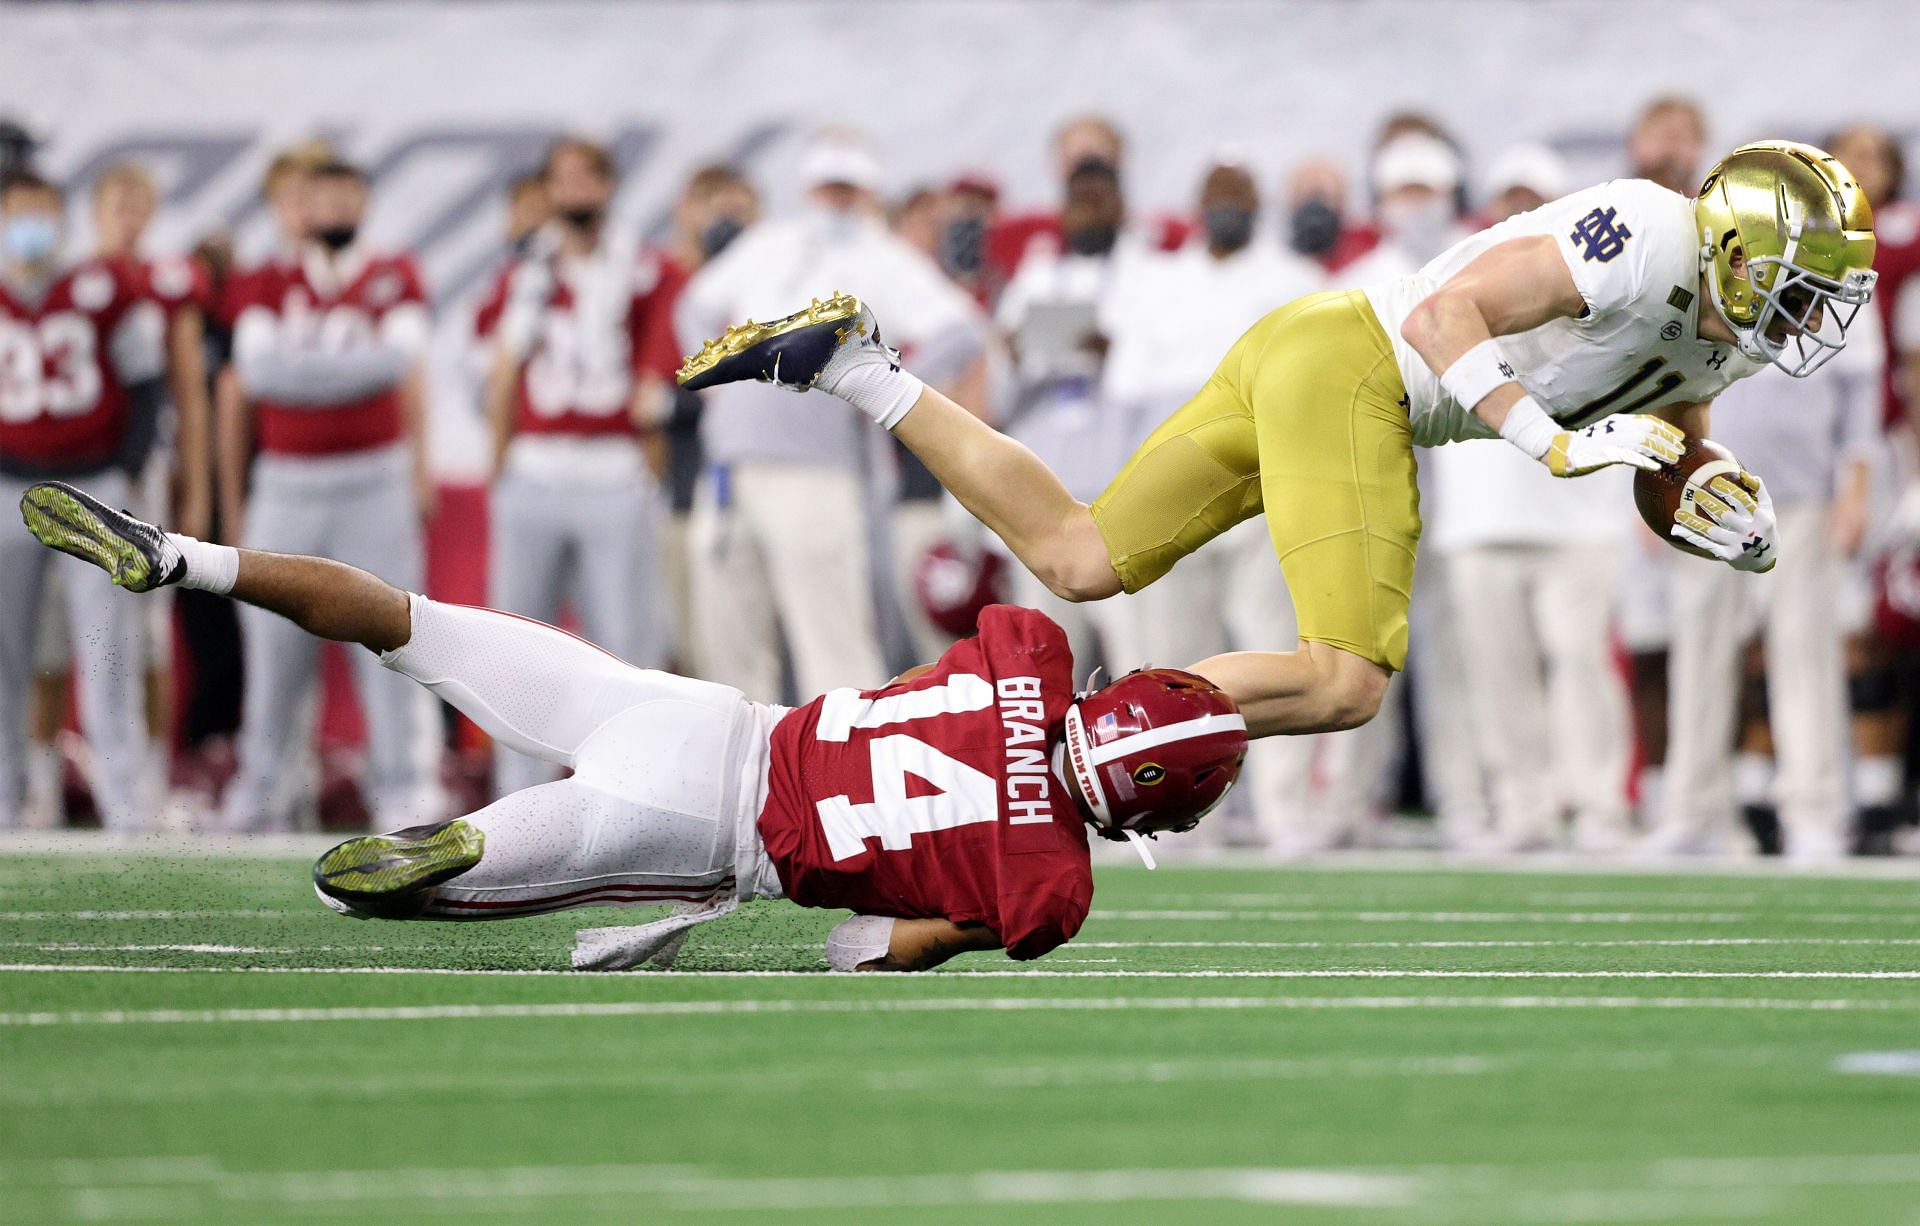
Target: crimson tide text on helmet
1154, 751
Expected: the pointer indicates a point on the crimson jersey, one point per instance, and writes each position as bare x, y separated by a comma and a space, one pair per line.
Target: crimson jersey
284, 298
936, 798
66, 362
588, 328
1895, 258
176, 283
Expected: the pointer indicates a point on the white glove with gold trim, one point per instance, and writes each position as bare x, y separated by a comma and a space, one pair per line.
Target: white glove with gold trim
1733, 522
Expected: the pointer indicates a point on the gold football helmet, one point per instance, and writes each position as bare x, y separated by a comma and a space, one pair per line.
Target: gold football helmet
1803, 233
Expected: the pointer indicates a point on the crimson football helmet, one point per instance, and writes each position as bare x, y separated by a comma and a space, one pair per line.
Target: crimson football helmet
954, 587
1154, 751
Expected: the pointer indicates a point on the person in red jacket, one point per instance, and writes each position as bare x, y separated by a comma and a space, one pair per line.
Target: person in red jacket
948, 809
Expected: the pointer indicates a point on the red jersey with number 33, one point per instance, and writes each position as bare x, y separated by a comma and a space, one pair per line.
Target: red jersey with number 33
936, 798
63, 401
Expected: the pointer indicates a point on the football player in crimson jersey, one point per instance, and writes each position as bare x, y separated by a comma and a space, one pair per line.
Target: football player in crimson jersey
948, 808
80, 361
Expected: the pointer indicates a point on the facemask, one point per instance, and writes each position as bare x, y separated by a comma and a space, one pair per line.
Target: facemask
1421, 228
963, 245
336, 238
31, 237
1092, 240
714, 239
1314, 228
582, 217
1228, 229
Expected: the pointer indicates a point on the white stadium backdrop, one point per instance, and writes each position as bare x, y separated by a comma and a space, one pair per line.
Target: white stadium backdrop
447, 100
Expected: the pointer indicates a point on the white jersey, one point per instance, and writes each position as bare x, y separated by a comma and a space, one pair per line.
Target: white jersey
1631, 247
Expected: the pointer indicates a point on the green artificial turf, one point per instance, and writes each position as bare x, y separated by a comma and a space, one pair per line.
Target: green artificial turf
1402, 1083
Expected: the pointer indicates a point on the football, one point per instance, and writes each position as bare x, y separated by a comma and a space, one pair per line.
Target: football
1660, 494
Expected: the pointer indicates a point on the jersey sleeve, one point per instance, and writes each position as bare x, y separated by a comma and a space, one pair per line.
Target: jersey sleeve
656, 350
487, 317
413, 284
1610, 238
1050, 922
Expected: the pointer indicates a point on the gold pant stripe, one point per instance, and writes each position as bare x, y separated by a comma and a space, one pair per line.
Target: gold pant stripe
1303, 420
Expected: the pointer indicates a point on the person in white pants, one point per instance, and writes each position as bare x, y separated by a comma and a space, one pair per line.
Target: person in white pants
1814, 440
327, 377
779, 548
1532, 569
583, 348
1231, 594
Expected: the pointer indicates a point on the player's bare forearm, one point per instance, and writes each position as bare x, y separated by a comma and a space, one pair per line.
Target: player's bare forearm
1696, 418
232, 445
413, 407
1007, 488
1510, 287
922, 944
917, 670
327, 599
187, 376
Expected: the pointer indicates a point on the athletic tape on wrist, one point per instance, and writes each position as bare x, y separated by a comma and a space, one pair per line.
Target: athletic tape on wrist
1528, 427
1477, 372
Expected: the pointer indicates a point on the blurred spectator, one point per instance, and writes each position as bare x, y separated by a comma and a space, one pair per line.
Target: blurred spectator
1231, 594
920, 221
527, 210
1532, 567
973, 205
17, 146
1416, 178
716, 206
581, 324
1078, 142
328, 378
1876, 674
1814, 439
1049, 315
1521, 180
175, 484
1317, 221
87, 356
1667, 143
780, 534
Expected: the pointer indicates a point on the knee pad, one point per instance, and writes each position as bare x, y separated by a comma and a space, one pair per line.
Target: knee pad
1877, 689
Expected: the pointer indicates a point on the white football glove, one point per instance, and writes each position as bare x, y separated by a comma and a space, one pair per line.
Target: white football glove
1643, 442
1735, 523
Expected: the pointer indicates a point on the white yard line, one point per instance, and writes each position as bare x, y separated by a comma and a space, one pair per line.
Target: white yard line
1648, 943
40, 917
1222, 916
1367, 972
956, 1004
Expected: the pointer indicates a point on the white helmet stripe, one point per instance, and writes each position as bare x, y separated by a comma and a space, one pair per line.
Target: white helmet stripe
1186, 729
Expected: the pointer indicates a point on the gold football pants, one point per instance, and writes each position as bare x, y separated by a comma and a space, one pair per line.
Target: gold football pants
1305, 419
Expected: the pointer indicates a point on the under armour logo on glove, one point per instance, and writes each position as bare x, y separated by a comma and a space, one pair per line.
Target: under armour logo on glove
1506, 369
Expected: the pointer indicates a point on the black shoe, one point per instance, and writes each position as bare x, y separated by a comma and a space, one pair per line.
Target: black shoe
791, 352
137, 555
1764, 822
389, 876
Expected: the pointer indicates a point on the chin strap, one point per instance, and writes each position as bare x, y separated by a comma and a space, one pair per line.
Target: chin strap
1140, 845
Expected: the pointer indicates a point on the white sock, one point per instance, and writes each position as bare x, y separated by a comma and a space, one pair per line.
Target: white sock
210, 567
1752, 779
1876, 781
866, 377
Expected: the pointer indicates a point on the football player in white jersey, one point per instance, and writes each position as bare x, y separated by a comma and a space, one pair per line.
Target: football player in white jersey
1593, 331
